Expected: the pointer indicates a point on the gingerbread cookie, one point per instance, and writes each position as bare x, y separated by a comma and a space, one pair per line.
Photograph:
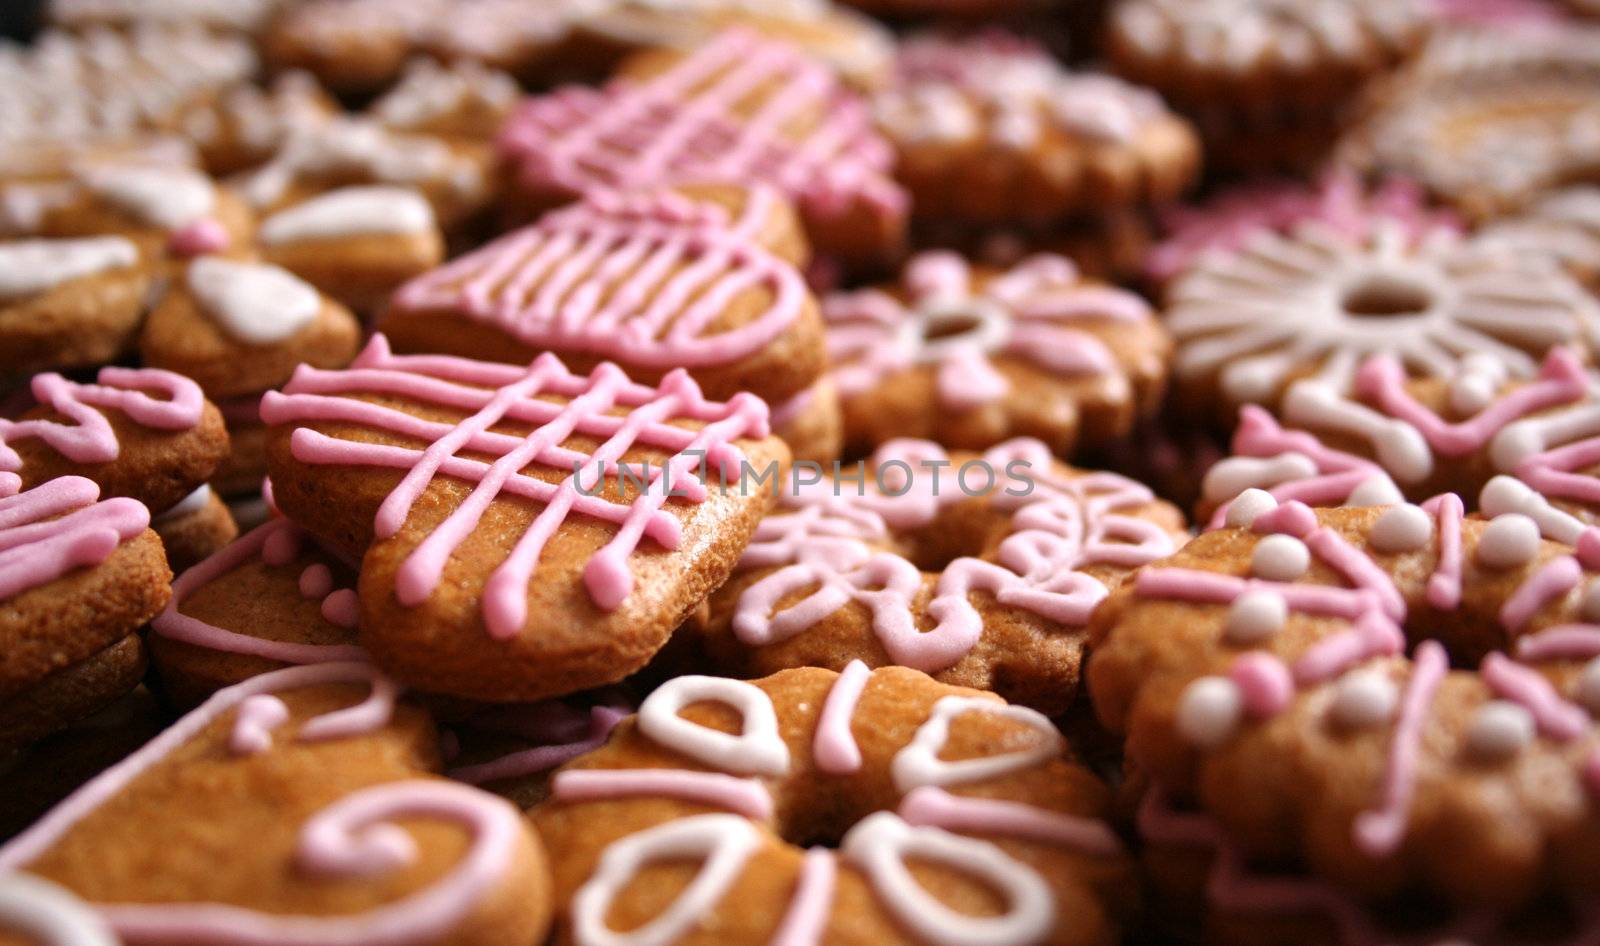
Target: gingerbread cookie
1263, 673
702, 278
513, 750
458, 100
980, 569
1265, 80
1314, 304
1487, 120
264, 803
247, 124
519, 555
161, 209
357, 244
970, 356
993, 130
715, 113
77, 577
69, 303
1007, 836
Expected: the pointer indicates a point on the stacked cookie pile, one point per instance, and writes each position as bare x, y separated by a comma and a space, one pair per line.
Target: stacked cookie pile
649, 472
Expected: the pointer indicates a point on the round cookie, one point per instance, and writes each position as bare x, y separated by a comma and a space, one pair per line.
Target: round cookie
69, 303
1263, 674
969, 356
527, 531
715, 113
689, 824
992, 130
979, 569
1301, 311
1265, 80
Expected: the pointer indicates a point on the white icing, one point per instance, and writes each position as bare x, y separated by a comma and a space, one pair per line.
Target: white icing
756, 750
1250, 504
1280, 558
192, 503
880, 843
1402, 528
918, 763
257, 303
1375, 491
1508, 541
43, 912
1255, 616
350, 211
165, 197
1363, 699
29, 267
1505, 494
1234, 475
1209, 711
1499, 729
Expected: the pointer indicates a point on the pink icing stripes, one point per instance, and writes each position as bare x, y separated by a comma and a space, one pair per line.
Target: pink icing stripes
745, 796
88, 437
807, 917
834, 747
1552, 581
929, 805
56, 527
1380, 830
602, 719
1555, 717
1444, 585
588, 410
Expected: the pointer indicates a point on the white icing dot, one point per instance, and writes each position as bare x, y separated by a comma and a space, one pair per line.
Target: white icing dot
1248, 505
1280, 558
1255, 616
1375, 491
1363, 699
1471, 393
1209, 711
1403, 528
1589, 686
1508, 541
1503, 494
1498, 730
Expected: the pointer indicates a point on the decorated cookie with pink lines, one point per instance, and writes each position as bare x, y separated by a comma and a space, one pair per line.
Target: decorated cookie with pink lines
1387, 677
705, 278
991, 129
877, 769
294, 808
738, 108
1296, 315
528, 530
969, 355
979, 569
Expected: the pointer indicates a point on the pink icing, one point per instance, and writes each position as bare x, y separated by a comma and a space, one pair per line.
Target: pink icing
48, 531
834, 747
257, 717
1373, 635
1444, 585
807, 917
929, 805
1566, 642
315, 582
746, 796
1028, 313
1379, 831
1288, 518
277, 543
489, 394
199, 238
683, 125
601, 720
1552, 581
1264, 682
1555, 717
342, 608
601, 267
1551, 472
353, 837
88, 438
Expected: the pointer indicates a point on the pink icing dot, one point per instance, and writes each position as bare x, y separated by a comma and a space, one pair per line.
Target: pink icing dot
281, 547
199, 238
316, 582
1264, 683
342, 608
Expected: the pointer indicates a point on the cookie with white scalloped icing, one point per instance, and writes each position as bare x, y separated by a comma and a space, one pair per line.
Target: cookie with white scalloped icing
161, 209
70, 303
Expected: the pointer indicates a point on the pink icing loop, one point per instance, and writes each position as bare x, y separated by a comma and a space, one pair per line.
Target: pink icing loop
56, 527
491, 393
199, 238
88, 438
602, 719
257, 717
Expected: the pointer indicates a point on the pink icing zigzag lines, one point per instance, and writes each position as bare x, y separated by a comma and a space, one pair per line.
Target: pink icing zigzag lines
682, 125
1026, 313
597, 265
352, 838
588, 410
89, 437
276, 543
58, 526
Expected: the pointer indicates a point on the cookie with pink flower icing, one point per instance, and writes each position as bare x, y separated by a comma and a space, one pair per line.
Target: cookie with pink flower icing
1398, 697
979, 569
701, 277
297, 807
527, 530
78, 576
694, 819
1285, 313
991, 129
971, 355
1265, 80
356, 244
70, 303
739, 107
